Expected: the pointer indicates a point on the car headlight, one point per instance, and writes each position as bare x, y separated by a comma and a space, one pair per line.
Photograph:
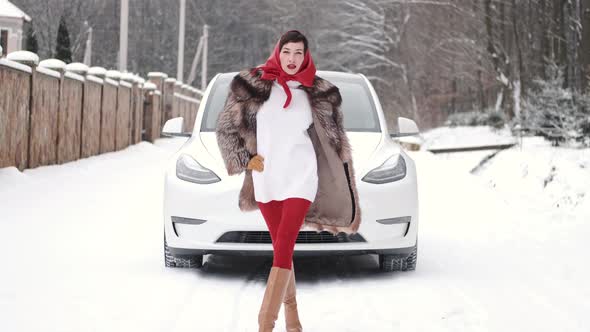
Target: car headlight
393, 169
189, 169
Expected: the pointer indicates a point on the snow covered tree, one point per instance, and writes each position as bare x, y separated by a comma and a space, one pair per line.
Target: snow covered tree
422, 63
557, 113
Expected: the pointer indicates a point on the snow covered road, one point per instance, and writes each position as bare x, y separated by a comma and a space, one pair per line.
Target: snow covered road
81, 250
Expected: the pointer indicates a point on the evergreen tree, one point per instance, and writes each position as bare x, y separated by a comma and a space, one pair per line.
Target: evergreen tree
62, 48
557, 113
31, 44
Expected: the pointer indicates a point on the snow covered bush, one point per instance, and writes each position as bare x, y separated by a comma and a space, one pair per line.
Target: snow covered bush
558, 114
488, 117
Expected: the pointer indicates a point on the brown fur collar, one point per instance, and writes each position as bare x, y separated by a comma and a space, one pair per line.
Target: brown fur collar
248, 85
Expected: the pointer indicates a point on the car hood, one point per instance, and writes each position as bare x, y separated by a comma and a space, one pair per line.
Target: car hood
363, 146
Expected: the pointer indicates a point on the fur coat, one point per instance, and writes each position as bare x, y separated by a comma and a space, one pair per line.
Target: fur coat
336, 205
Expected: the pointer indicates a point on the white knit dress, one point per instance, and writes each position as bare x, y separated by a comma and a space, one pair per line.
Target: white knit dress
290, 166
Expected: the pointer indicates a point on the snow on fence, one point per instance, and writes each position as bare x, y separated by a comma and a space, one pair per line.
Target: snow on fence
108, 116
123, 116
51, 113
176, 99
91, 119
14, 126
43, 121
167, 102
69, 118
152, 113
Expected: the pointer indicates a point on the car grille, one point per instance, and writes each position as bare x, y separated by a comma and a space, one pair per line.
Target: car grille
303, 237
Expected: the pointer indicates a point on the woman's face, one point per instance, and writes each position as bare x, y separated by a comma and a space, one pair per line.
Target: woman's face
292, 57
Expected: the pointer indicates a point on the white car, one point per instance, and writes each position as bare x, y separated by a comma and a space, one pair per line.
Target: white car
201, 213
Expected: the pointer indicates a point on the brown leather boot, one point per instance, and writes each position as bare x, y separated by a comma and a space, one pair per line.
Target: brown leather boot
291, 316
276, 287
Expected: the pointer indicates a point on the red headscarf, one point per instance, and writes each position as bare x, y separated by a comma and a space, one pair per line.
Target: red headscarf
272, 70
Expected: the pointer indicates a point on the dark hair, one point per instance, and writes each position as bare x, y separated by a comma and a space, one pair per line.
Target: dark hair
293, 36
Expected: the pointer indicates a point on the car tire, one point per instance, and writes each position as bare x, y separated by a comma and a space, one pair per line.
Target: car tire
188, 262
390, 263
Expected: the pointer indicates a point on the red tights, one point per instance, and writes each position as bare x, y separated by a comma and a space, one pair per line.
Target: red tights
284, 219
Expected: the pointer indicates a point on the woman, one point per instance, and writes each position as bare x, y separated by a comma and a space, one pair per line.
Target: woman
282, 126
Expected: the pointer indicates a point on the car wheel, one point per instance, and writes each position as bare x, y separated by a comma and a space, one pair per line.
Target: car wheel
390, 263
412, 259
189, 262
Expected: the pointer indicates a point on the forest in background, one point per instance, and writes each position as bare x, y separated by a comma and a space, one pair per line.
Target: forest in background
428, 60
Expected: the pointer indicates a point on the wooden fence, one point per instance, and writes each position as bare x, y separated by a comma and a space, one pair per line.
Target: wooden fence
53, 115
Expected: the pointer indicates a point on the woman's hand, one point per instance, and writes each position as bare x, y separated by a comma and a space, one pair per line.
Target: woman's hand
256, 163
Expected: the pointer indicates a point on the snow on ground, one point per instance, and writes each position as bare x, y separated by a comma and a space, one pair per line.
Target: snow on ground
463, 136
81, 248
556, 178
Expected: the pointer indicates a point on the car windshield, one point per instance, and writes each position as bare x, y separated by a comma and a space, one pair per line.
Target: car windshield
357, 105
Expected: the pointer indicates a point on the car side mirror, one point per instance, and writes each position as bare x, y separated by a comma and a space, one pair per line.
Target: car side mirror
173, 127
407, 127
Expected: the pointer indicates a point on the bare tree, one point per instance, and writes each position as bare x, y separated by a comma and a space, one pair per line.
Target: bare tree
427, 59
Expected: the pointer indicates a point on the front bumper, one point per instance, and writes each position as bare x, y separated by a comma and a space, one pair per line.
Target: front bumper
296, 253
215, 209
